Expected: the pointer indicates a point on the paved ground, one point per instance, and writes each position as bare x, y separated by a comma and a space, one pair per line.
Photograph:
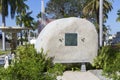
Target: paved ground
98, 73
77, 75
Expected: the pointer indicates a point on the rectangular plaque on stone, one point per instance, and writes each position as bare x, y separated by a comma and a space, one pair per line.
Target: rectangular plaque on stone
70, 39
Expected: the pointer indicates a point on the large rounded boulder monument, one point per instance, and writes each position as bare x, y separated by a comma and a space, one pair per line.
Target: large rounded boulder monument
69, 40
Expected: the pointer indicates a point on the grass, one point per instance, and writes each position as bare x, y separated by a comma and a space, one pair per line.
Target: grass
4, 52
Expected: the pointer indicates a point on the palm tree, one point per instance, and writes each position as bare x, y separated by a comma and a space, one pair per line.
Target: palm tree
92, 9
118, 18
15, 7
25, 19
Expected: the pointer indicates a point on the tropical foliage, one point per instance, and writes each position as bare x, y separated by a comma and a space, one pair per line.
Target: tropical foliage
91, 11
91, 8
14, 6
65, 8
30, 65
108, 60
78, 8
25, 19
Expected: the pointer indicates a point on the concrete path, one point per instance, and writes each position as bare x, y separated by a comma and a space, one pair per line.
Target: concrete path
77, 75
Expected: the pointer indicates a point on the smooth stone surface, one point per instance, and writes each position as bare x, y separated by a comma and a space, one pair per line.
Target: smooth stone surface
53, 36
77, 75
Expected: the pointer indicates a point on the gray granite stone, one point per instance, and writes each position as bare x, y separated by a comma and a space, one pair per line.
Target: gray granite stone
69, 40
99, 74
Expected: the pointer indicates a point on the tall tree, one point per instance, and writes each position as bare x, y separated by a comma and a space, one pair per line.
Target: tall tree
91, 8
26, 20
78, 8
65, 8
15, 7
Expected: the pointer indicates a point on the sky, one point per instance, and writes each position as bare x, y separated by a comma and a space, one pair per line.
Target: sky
112, 16
35, 6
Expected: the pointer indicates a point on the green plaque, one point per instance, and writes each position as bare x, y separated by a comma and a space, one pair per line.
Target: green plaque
70, 39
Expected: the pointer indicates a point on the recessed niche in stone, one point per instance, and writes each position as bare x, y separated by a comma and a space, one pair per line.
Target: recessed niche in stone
70, 39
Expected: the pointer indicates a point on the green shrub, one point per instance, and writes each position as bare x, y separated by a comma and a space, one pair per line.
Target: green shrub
30, 65
108, 59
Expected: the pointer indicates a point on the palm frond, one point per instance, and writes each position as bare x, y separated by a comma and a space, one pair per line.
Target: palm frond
91, 7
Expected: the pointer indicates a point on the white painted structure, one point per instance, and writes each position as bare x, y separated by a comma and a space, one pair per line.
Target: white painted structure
33, 41
69, 40
6, 62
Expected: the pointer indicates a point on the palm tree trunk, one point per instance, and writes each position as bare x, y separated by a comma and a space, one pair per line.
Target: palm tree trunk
97, 16
14, 42
3, 33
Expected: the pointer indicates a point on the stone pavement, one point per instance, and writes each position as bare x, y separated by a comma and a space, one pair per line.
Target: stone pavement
77, 75
99, 73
